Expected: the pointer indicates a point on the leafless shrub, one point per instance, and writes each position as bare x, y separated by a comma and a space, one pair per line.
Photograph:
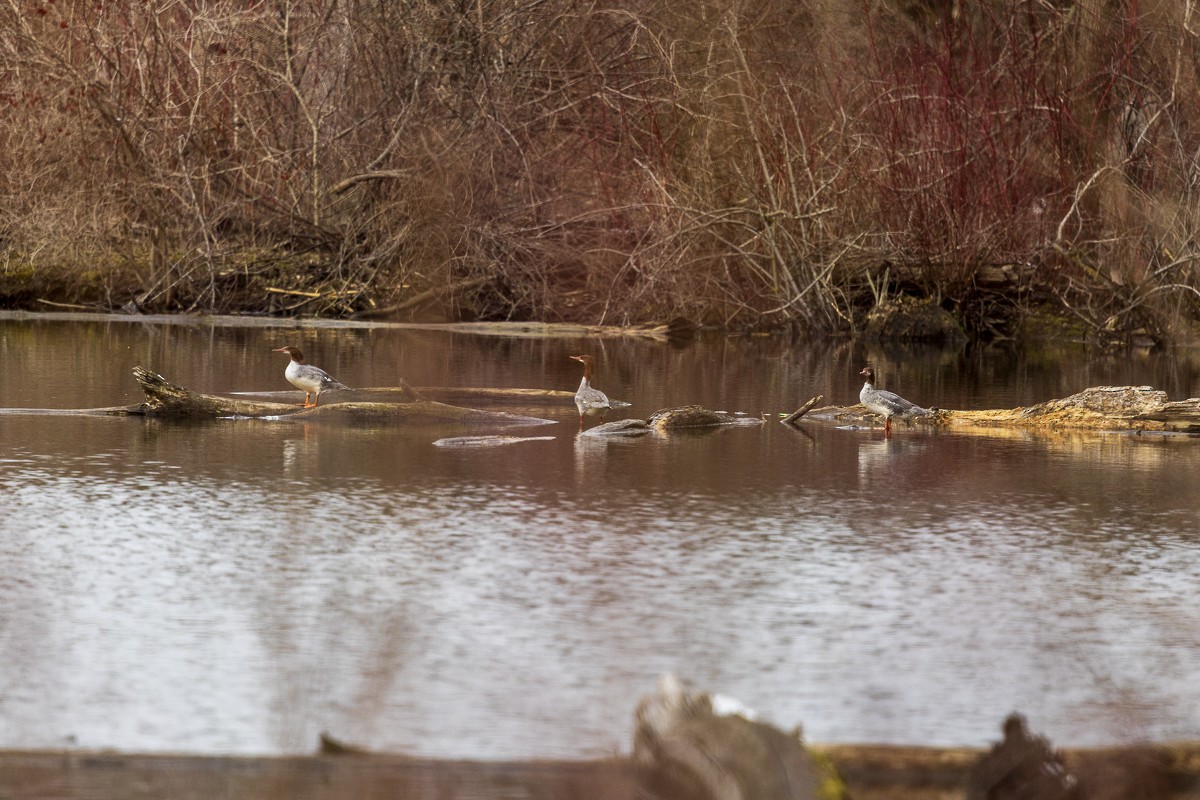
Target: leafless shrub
755, 163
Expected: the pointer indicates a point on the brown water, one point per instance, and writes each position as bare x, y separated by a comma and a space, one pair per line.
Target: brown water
238, 586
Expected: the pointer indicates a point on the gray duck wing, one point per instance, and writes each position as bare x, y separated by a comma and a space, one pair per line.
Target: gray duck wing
326, 380
897, 404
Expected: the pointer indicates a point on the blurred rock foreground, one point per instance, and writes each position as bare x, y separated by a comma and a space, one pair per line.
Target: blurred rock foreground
688, 745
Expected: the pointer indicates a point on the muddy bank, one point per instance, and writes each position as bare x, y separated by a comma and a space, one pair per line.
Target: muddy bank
870, 772
286, 295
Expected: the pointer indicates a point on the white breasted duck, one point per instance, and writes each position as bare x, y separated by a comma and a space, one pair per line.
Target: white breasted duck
886, 404
589, 401
304, 376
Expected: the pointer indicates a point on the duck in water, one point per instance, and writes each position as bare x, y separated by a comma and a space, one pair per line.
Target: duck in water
589, 401
312, 380
886, 404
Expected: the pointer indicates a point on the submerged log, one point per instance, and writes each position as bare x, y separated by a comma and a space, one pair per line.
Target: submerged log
443, 394
165, 399
1111, 408
476, 394
673, 419
492, 440
691, 417
457, 394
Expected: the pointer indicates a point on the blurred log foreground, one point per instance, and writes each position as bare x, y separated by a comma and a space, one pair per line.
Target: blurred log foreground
1110, 408
687, 746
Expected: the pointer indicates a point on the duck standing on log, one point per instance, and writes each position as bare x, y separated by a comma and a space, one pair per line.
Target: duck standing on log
312, 380
886, 404
589, 401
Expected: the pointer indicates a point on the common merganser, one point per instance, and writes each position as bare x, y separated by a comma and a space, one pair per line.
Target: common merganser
886, 404
589, 401
312, 380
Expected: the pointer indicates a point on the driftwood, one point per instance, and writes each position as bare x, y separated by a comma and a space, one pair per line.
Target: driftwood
1111, 408
165, 399
793, 417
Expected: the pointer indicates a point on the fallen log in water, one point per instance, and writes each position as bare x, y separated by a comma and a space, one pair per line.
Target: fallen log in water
486, 394
165, 399
452, 394
491, 440
1109, 408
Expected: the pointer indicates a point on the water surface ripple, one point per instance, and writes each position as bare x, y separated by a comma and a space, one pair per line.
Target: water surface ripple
238, 586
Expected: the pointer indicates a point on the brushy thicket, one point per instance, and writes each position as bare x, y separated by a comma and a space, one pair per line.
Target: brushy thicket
753, 163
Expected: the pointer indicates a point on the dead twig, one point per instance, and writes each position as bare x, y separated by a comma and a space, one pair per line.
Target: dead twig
311, 295
792, 418
384, 174
65, 305
421, 297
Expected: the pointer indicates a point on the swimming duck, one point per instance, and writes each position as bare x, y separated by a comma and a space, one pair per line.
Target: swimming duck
886, 404
302, 375
589, 401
